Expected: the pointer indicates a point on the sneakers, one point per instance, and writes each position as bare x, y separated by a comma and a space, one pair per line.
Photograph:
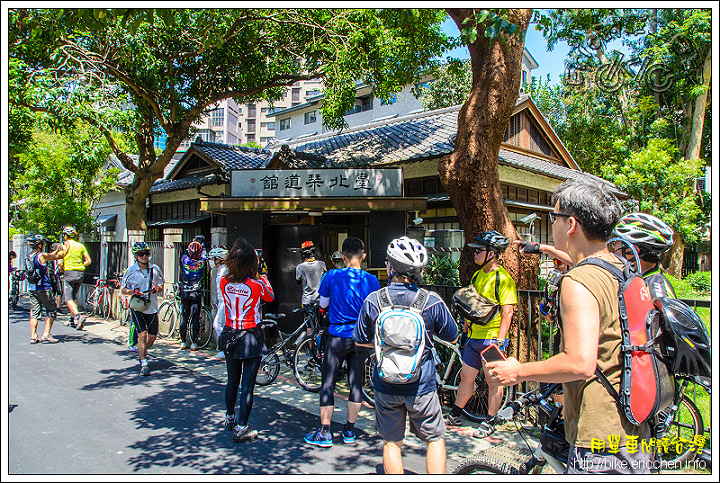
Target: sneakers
484, 430
132, 348
145, 370
451, 420
319, 438
230, 422
220, 355
244, 434
72, 322
81, 322
348, 436
194, 346
184, 345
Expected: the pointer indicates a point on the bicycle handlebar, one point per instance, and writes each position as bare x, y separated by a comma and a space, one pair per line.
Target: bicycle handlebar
531, 398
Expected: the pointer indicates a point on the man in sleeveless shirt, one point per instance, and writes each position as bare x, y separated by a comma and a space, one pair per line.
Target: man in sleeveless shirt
601, 439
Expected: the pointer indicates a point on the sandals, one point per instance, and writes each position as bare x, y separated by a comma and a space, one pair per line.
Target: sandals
49, 340
34, 340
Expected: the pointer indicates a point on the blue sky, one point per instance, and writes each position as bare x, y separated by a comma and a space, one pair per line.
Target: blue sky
550, 62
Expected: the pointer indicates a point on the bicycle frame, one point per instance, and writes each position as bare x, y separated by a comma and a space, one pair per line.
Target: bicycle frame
454, 356
285, 338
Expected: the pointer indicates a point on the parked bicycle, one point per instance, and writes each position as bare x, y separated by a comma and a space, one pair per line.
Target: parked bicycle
124, 314
683, 426
282, 352
448, 365
552, 448
17, 277
170, 315
98, 299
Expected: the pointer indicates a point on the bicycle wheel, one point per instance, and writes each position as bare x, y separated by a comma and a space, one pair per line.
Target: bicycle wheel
91, 302
686, 424
479, 465
307, 363
206, 329
269, 370
124, 316
166, 320
14, 297
104, 304
476, 409
368, 392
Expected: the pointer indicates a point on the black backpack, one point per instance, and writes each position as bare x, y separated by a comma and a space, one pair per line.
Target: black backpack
32, 273
646, 384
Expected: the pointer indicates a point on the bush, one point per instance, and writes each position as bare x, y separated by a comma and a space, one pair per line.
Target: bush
700, 281
441, 271
684, 289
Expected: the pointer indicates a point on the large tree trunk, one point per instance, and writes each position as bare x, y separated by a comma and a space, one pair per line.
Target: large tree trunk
676, 257
470, 173
698, 115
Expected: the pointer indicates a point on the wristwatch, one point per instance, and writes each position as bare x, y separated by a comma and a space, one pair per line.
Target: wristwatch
501, 344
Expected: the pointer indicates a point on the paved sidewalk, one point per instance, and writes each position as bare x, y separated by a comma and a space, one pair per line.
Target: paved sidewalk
504, 444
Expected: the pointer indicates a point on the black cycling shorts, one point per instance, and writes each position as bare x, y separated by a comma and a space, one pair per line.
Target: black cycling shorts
145, 322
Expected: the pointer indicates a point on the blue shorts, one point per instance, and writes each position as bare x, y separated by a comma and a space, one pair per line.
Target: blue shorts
473, 348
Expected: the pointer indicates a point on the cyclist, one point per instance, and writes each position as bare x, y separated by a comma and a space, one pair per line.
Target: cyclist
40, 288
193, 262
651, 237
419, 400
144, 280
75, 259
337, 259
243, 289
11, 256
582, 222
56, 278
344, 291
495, 283
217, 258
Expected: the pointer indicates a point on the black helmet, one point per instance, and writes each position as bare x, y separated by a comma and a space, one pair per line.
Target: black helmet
686, 333
35, 240
491, 239
336, 256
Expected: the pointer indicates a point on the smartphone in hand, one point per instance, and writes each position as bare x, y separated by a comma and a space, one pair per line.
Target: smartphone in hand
492, 354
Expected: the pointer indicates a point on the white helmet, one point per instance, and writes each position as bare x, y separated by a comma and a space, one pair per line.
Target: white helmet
217, 252
406, 255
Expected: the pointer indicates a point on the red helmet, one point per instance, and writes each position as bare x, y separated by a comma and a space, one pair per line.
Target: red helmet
307, 245
194, 249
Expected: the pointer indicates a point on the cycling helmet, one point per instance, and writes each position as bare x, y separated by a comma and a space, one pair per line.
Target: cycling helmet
336, 256
35, 240
648, 234
307, 248
685, 332
194, 249
491, 239
139, 247
406, 255
218, 252
70, 231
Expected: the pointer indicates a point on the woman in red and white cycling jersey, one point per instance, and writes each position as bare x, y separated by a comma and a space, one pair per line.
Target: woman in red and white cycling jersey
242, 290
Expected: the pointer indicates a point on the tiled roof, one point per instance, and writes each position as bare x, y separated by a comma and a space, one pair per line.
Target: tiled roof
235, 157
162, 185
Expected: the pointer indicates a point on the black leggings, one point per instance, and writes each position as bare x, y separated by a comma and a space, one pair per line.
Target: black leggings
241, 374
190, 301
338, 349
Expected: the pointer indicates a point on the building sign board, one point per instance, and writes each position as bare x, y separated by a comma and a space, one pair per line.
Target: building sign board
316, 183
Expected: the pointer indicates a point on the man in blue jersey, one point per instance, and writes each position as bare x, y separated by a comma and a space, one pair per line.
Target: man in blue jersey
343, 290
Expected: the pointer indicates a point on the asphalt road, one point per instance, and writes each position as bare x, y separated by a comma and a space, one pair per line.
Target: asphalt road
80, 407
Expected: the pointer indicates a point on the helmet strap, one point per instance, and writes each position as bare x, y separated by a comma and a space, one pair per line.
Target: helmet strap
487, 260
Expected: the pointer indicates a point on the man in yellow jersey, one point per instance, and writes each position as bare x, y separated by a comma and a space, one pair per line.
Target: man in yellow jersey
495, 283
75, 259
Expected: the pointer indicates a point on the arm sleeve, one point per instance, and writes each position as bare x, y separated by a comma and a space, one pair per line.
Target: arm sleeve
364, 331
445, 326
507, 291
266, 291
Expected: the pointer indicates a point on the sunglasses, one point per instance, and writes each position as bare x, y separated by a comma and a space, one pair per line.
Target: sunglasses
557, 262
143, 254
554, 216
481, 249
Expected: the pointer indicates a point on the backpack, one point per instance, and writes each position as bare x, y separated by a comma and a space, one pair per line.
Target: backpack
646, 384
400, 338
31, 271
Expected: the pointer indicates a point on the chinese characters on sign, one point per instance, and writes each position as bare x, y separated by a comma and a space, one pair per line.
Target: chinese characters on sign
317, 183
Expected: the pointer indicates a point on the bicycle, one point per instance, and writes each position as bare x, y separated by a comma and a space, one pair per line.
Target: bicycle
98, 299
282, 352
448, 365
552, 447
17, 277
170, 313
124, 315
684, 437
